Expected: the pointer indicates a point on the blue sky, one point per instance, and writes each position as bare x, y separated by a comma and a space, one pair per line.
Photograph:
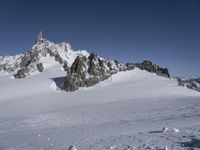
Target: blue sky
164, 31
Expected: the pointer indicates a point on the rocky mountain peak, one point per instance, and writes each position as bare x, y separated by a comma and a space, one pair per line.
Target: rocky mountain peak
82, 68
31, 61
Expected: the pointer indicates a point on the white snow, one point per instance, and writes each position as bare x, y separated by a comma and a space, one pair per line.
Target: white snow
126, 111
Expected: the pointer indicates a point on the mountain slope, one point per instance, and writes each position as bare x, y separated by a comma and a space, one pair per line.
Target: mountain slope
126, 110
35, 114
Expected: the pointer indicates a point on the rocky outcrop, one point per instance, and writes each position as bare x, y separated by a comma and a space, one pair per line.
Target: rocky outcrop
190, 83
65, 67
40, 67
22, 73
58, 59
153, 68
130, 66
88, 72
28, 58
76, 75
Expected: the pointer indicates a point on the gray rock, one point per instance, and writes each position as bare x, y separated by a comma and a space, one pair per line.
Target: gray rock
163, 72
28, 58
130, 66
92, 81
65, 67
40, 67
153, 68
10, 69
1, 67
77, 74
59, 59
22, 73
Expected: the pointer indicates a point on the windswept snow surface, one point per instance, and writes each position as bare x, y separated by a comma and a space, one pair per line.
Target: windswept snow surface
126, 111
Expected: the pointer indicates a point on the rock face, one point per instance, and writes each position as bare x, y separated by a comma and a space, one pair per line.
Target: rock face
89, 71
153, 68
191, 83
22, 73
40, 67
28, 58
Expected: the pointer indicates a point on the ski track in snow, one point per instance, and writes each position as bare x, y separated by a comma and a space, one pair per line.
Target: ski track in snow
120, 113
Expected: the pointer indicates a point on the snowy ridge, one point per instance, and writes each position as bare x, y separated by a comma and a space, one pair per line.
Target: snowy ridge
64, 50
43, 51
10, 63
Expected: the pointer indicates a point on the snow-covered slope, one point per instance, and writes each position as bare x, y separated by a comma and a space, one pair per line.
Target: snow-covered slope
125, 108
35, 114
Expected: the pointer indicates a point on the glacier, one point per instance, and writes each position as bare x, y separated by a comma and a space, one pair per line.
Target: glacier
131, 110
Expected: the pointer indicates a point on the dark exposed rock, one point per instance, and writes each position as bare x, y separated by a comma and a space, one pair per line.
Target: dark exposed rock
40, 67
28, 58
92, 81
163, 72
86, 72
130, 66
148, 66
71, 82
22, 73
96, 65
153, 68
59, 59
180, 83
190, 83
9, 69
89, 71
65, 67
76, 75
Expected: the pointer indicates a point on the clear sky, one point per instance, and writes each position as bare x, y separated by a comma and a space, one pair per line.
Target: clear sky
164, 31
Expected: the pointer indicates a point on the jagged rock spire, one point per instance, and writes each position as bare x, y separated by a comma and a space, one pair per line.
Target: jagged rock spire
39, 37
